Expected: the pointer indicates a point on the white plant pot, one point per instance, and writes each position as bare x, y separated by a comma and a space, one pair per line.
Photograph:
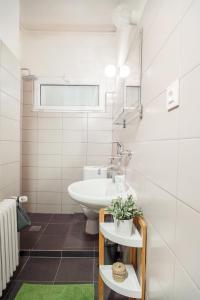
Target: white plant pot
124, 227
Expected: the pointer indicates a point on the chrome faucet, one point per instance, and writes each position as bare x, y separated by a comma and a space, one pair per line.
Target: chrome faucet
112, 172
114, 169
120, 147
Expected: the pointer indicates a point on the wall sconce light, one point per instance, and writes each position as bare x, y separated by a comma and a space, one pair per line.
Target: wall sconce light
110, 71
124, 71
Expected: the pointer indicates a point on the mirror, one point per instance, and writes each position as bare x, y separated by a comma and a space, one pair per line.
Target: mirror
128, 92
132, 96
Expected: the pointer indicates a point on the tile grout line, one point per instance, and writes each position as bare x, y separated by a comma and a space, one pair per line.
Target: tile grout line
57, 270
39, 238
22, 267
90, 252
165, 190
177, 26
93, 275
176, 258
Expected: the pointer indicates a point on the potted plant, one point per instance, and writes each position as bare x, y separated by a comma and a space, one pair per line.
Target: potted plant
123, 212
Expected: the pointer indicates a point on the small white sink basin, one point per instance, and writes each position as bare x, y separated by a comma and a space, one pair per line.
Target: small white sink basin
96, 193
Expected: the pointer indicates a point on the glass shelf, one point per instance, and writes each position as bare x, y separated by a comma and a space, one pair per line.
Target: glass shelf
128, 114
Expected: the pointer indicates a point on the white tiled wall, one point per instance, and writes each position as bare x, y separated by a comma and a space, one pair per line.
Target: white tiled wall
166, 164
56, 146
9, 25
9, 123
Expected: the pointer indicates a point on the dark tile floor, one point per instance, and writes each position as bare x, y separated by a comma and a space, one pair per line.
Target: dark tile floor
55, 271
51, 271
58, 232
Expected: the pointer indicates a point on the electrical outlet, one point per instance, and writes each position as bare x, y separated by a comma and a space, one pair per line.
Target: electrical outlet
173, 95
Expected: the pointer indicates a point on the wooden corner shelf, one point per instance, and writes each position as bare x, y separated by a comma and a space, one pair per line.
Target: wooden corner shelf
134, 285
128, 288
108, 231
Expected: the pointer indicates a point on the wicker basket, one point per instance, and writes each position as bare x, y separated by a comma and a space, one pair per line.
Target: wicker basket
119, 272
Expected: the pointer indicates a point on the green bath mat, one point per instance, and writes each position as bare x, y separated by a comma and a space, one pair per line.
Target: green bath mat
56, 292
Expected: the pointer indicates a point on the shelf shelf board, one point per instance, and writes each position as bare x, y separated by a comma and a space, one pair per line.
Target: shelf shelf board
125, 114
108, 231
130, 287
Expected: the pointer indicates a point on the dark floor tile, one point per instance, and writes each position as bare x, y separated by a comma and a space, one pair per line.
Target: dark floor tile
79, 217
12, 290
108, 294
28, 228
67, 233
96, 244
68, 218
22, 261
5, 292
50, 242
57, 229
96, 270
42, 218
39, 269
62, 218
77, 227
78, 240
26, 234
28, 240
111, 295
75, 270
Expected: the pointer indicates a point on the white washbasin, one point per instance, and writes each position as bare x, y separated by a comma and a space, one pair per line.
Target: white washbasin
96, 193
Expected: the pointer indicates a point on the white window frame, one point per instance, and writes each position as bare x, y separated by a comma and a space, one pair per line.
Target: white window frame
60, 81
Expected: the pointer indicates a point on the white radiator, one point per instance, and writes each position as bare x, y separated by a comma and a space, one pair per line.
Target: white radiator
9, 255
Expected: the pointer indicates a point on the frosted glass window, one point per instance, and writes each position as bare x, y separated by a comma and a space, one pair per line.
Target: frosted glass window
132, 96
69, 95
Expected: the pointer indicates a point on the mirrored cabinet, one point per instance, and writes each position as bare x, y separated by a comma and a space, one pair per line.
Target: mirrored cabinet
127, 102
132, 95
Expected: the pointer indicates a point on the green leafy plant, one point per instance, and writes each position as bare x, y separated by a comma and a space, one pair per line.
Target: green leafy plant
122, 209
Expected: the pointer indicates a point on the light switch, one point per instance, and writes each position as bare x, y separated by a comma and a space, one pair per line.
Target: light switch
173, 95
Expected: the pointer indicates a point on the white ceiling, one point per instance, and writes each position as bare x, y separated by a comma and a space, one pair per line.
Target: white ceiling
72, 15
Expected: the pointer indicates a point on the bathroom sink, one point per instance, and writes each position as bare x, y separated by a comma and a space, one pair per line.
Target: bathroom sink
96, 193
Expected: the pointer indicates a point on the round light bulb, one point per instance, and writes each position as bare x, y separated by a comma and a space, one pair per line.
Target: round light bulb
110, 71
124, 71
